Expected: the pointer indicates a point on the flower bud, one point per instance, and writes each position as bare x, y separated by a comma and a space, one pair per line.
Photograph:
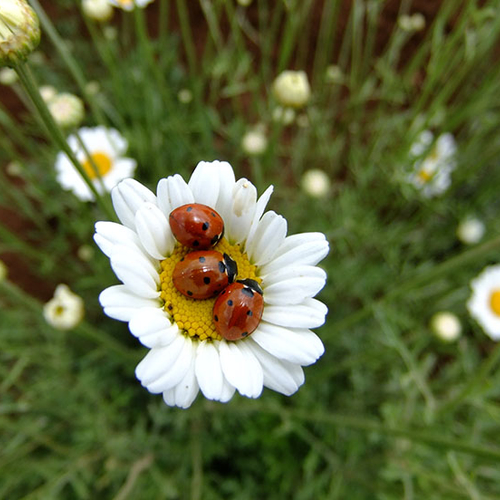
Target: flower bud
316, 183
66, 109
254, 142
19, 31
65, 310
291, 88
98, 10
470, 231
446, 326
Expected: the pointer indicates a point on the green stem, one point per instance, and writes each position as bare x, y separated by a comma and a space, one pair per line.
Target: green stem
69, 60
187, 36
56, 134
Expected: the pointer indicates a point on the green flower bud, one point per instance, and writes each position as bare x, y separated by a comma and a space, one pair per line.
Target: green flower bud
19, 31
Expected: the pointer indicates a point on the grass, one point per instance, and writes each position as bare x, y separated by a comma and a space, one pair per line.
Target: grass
388, 412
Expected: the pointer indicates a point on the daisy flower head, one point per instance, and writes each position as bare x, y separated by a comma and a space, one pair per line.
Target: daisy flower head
130, 4
433, 161
188, 353
105, 165
65, 310
484, 302
292, 89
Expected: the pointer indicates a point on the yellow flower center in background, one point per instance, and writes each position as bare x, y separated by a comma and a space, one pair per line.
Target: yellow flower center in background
495, 301
424, 176
194, 316
102, 162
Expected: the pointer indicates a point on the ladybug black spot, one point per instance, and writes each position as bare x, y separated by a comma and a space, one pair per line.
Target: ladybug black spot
182, 260
244, 334
212, 214
196, 243
188, 209
229, 302
249, 313
190, 293
205, 226
216, 318
202, 259
206, 280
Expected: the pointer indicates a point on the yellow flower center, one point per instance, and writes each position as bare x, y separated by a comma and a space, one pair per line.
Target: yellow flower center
194, 316
101, 161
495, 301
424, 176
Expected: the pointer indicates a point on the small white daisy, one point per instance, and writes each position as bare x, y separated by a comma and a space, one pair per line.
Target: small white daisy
254, 142
130, 4
291, 88
65, 310
106, 148
432, 163
316, 183
186, 352
446, 326
484, 303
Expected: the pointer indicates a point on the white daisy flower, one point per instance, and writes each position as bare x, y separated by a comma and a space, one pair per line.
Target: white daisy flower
446, 326
106, 148
65, 310
316, 183
471, 231
186, 352
291, 88
254, 142
484, 303
130, 4
433, 162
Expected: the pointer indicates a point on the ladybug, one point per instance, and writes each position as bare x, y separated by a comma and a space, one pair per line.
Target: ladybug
196, 226
203, 274
238, 309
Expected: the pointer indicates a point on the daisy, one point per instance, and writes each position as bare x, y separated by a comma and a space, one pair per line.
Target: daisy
291, 88
65, 310
129, 4
433, 162
106, 148
186, 353
484, 303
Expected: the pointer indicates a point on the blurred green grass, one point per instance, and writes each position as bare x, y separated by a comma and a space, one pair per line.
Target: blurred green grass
388, 412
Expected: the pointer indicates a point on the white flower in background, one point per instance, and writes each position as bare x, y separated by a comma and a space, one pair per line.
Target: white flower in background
245, 3
446, 326
47, 92
291, 89
484, 303
415, 22
185, 96
186, 352
66, 109
129, 4
254, 142
316, 183
282, 115
19, 31
92, 87
8, 76
14, 168
3, 271
85, 253
471, 231
99, 10
65, 310
432, 163
334, 74
106, 148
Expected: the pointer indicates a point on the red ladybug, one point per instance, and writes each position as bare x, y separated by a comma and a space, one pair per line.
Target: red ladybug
238, 309
196, 226
203, 274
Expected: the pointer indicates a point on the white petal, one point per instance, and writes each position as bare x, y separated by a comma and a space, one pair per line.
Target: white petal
205, 183
120, 303
154, 231
185, 392
173, 192
241, 368
309, 314
176, 370
208, 370
158, 361
128, 196
135, 271
304, 248
296, 345
292, 285
268, 237
279, 375
239, 218
224, 203
152, 327
108, 234
259, 210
